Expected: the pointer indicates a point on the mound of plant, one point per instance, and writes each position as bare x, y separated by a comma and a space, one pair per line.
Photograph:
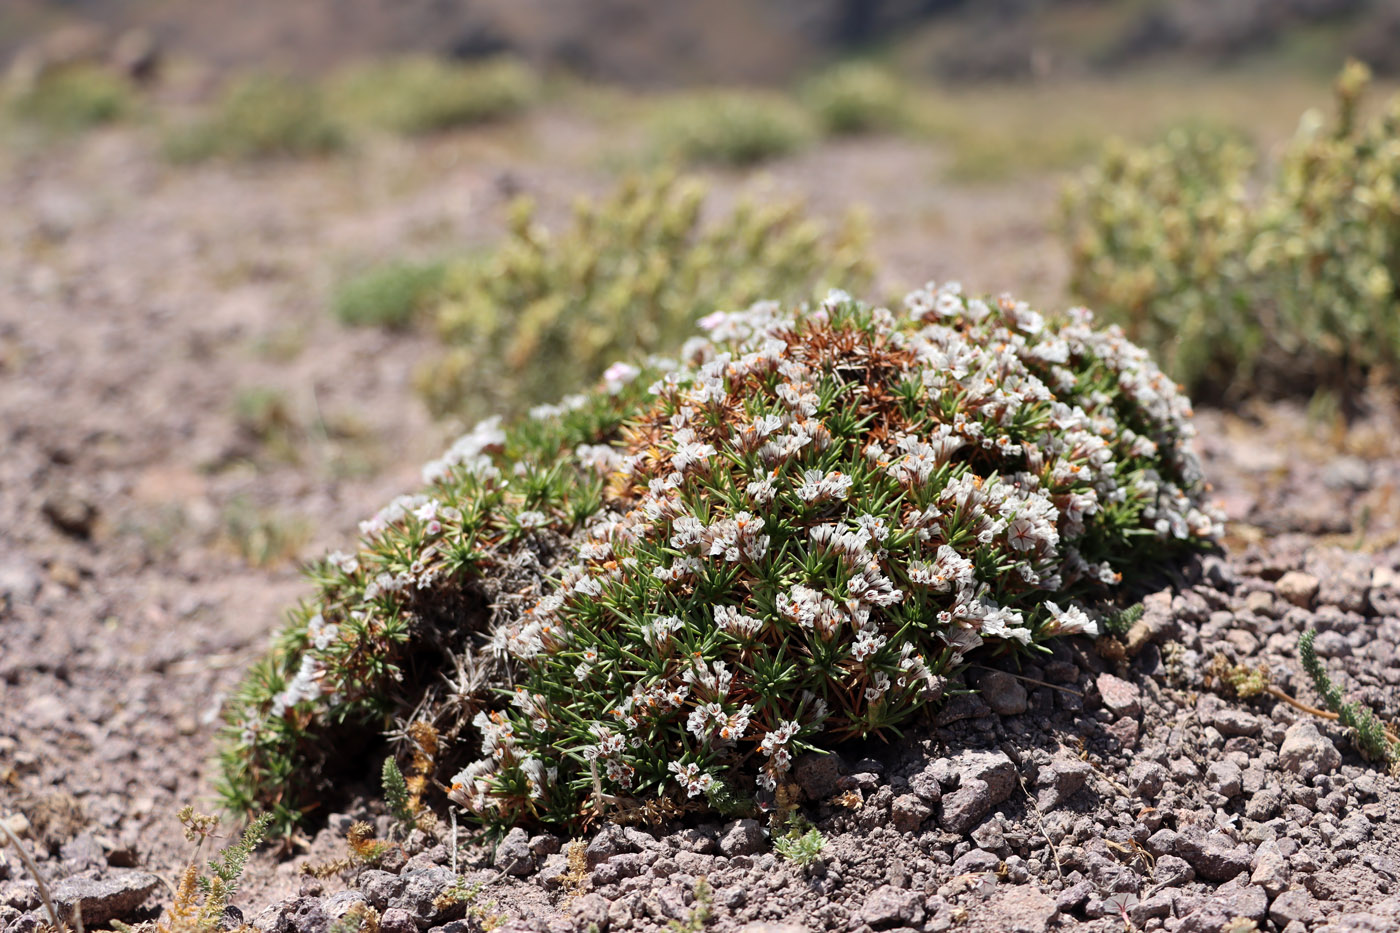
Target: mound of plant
728, 127
391, 295
544, 313
1279, 285
421, 94
72, 99
857, 97
261, 116
657, 594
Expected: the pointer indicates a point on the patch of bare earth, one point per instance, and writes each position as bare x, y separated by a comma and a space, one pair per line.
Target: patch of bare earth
149, 536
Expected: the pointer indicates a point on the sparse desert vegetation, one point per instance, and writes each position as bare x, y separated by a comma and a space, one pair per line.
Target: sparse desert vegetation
842, 612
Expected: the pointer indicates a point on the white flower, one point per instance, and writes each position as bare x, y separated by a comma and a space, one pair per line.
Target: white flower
618, 375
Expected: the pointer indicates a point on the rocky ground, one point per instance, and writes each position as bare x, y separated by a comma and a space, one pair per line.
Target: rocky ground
149, 530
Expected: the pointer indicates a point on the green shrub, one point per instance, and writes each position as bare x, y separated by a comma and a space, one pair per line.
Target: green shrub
72, 99
543, 314
390, 296
692, 575
424, 95
1281, 285
857, 97
261, 116
738, 128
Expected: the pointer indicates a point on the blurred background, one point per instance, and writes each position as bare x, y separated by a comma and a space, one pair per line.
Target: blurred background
261, 260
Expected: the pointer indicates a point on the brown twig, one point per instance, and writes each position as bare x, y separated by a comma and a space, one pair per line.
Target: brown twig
1038, 683
1040, 824
33, 868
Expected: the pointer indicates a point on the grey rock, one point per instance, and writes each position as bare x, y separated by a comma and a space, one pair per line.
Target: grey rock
1307, 752
888, 906
1060, 781
1332, 645
342, 902
608, 842
817, 774
1214, 856
701, 841
1003, 693
1146, 779
926, 785
1023, 909
762, 926
21, 895
993, 768
1295, 906
1244, 899
380, 887
742, 837
300, 915
513, 855
976, 860
112, 895
83, 853
545, 844
1298, 588
1173, 871
1361, 921
623, 865
963, 706
908, 812
1232, 722
964, 808
1073, 897
71, 512
1224, 777
1119, 696
1263, 805
397, 920
641, 841
421, 892
1208, 917
1162, 841
865, 781
20, 581
591, 909
1270, 868
1157, 906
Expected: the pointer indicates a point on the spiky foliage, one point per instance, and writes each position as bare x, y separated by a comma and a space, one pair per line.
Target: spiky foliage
261, 116
1368, 732
545, 312
782, 543
421, 94
802, 845
200, 899
396, 795
1287, 290
1117, 622
226, 868
857, 97
729, 127
71, 99
389, 296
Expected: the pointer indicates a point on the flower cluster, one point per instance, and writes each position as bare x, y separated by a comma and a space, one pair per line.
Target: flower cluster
785, 540
823, 512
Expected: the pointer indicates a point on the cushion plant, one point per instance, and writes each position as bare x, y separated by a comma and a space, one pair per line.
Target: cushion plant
665, 589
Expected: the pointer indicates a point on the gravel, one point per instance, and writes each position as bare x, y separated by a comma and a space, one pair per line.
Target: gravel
1076, 776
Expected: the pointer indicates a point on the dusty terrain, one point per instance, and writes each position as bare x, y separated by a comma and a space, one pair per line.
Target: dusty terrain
149, 534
